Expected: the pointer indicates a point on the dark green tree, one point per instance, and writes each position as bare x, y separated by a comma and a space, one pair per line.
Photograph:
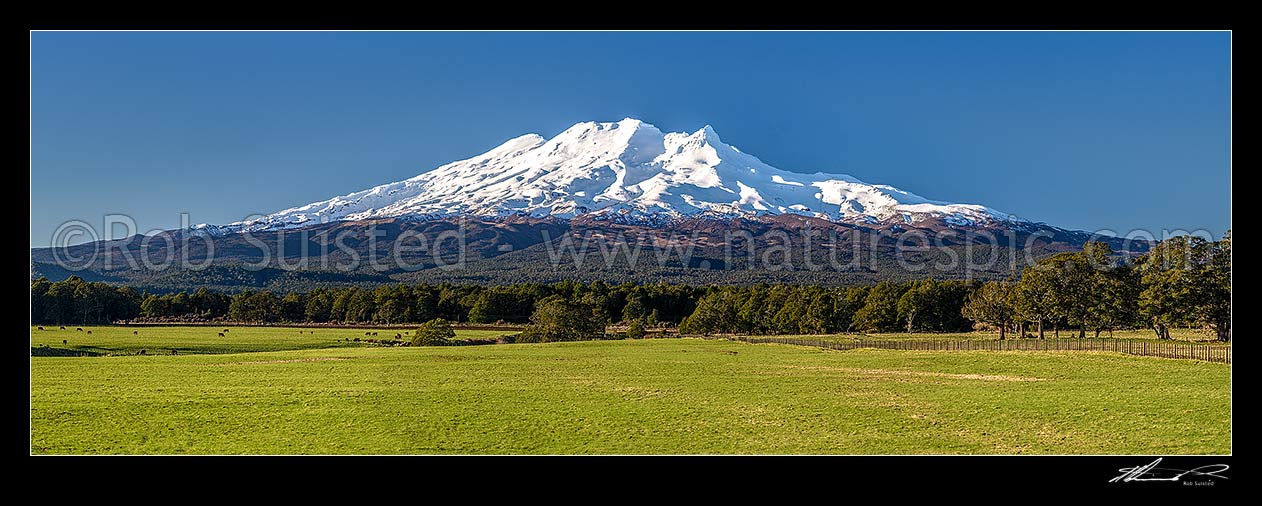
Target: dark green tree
993, 303
633, 310
319, 305
1035, 299
917, 302
292, 307
880, 308
1215, 288
557, 319
819, 314
436, 332
1187, 280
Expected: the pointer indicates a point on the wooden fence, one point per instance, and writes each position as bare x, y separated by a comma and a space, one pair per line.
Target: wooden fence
1166, 349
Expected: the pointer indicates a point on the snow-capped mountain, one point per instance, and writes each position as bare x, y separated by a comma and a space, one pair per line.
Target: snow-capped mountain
627, 171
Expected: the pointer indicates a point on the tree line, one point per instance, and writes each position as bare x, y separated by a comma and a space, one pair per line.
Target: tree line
1181, 282
77, 301
74, 300
1184, 281
926, 305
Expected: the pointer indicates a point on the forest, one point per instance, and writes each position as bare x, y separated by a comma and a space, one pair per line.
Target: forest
1181, 282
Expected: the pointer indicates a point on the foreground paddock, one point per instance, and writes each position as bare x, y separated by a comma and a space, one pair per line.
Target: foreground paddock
651, 396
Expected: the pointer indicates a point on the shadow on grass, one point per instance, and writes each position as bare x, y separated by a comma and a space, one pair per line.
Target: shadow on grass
45, 351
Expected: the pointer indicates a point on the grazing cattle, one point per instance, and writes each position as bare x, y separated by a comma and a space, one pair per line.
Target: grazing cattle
41, 328
357, 339
368, 333
405, 333
89, 332
225, 330
299, 331
63, 328
374, 334
221, 334
141, 352
174, 352
135, 332
78, 329
397, 336
63, 341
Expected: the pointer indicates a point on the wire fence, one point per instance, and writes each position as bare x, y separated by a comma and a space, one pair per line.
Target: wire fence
1165, 349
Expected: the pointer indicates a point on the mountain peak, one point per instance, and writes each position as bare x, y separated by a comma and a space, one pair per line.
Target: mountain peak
628, 170
709, 134
629, 122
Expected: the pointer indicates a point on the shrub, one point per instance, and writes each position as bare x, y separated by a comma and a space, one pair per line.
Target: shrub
436, 332
635, 330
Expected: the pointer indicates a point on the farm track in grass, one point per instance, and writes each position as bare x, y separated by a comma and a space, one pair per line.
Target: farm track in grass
643, 396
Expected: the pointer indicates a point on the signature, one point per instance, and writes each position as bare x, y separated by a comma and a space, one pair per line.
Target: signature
1151, 472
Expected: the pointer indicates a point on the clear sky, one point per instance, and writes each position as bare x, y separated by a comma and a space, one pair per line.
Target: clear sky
1081, 130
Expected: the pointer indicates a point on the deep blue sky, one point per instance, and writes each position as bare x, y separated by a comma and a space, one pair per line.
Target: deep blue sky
1080, 130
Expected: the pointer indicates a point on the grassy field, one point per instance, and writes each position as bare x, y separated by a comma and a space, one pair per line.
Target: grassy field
202, 340
646, 396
